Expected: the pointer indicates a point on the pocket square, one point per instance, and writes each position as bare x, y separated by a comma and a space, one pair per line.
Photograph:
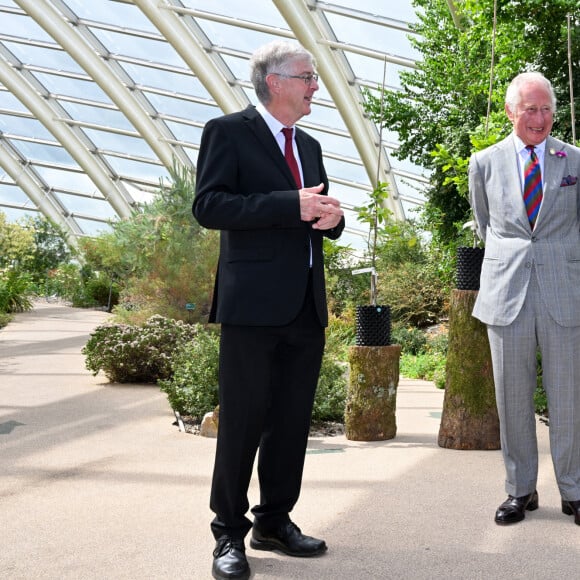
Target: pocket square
568, 180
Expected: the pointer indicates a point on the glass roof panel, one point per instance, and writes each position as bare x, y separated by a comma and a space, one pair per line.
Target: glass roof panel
73, 87
67, 180
246, 40
377, 36
120, 143
184, 109
104, 116
41, 56
262, 12
11, 194
144, 171
183, 132
92, 228
149, 76
85, 205
22, 26
403, 10
127, 44
111, 12
44, 152
10, 102
24, 127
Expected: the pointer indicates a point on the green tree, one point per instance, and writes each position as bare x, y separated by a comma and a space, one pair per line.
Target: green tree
50, 247
16, 244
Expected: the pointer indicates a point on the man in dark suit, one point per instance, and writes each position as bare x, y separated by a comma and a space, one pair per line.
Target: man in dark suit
261, 181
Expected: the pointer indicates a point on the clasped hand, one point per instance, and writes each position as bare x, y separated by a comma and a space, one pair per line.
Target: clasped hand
322, 208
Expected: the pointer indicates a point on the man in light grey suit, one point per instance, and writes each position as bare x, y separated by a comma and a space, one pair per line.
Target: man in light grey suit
529, 295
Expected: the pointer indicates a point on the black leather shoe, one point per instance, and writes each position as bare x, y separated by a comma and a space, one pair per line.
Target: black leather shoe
229, 560
287, 539
513, 509
572, 508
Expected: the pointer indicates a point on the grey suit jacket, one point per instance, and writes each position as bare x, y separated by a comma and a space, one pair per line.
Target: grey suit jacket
512, 249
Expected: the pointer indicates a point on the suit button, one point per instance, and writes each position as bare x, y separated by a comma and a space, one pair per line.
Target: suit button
534, 239
528, 264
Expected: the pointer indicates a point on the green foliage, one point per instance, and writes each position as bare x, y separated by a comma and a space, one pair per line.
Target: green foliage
193, 387
342, 288
133, 354
50, 247
15, 291
16, 244
330, 398
160, 257
66, 282
5, 318
410, 339
423, 355
426, 366
414, 276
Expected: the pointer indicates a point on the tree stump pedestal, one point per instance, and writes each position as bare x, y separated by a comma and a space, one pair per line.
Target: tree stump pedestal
372, 393
469, 419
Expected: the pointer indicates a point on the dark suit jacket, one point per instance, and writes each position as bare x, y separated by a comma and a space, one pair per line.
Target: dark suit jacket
245, 189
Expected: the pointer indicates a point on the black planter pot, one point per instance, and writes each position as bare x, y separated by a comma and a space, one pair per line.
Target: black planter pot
468, 269
373, 325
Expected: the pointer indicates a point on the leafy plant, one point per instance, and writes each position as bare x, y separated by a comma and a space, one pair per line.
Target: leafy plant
15, 291
193, 387
375, 215
133, 354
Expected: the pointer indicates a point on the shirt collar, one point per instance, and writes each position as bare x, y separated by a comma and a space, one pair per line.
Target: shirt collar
273, 124
521, 146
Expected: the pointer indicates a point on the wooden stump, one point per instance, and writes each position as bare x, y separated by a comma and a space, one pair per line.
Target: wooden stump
372, 393
469, 419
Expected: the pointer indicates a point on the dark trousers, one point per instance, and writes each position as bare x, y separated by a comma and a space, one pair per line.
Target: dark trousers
268, 378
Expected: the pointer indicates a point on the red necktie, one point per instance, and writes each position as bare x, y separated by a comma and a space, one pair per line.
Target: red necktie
532, 186
289, 154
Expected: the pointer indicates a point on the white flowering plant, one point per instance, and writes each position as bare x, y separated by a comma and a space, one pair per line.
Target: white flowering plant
137, 354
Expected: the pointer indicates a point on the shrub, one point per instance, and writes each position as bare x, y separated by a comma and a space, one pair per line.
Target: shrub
329, 401
429, 367
4, 319
15, 291
193, 387
410, 339
136, 354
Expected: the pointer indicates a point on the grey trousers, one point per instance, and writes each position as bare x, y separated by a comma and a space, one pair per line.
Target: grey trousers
513, 352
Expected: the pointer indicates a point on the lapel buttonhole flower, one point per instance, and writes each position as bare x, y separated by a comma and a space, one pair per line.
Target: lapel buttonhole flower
559, 153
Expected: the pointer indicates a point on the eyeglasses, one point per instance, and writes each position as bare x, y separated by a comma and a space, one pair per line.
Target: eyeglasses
306, 78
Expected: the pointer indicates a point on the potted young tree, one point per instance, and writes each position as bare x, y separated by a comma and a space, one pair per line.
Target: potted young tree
374, 362
373, 321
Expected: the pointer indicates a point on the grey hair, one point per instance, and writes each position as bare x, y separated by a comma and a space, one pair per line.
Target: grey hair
513, 95
277, 56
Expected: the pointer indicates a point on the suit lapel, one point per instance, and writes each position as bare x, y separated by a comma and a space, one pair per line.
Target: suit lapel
307, 160
550, 179
264, 136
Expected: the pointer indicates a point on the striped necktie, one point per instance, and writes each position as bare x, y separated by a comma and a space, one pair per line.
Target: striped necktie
532, 186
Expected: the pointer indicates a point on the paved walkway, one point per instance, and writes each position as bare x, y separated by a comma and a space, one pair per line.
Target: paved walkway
96, 483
